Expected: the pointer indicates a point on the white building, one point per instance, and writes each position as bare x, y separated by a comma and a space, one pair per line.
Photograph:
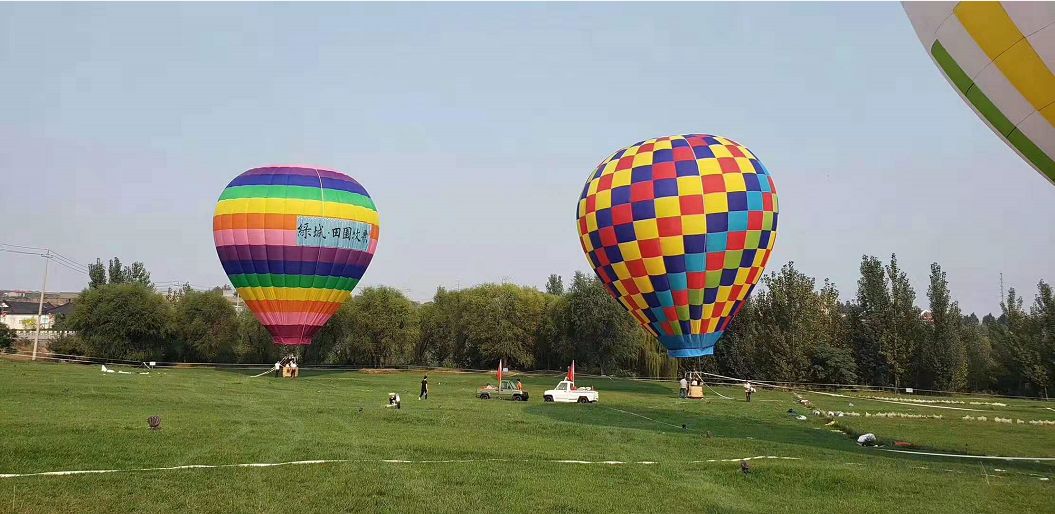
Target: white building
19, 315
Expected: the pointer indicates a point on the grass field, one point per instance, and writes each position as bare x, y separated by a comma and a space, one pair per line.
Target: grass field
495, 456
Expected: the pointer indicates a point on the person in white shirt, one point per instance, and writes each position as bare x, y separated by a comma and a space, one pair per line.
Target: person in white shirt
683, 388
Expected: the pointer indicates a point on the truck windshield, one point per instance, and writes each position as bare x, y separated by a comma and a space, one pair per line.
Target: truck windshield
563, 386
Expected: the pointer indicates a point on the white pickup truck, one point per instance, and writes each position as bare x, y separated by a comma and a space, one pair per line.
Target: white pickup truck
567, 392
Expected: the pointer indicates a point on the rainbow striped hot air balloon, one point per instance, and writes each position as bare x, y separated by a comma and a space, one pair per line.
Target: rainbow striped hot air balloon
294, 241
1000, 58
679, 229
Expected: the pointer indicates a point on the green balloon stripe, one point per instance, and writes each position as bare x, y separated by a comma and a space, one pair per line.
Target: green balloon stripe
991, 112
298, 193
278, 280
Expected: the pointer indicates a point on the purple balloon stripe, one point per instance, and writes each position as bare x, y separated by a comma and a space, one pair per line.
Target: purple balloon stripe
270, 179
291, 253
298, 170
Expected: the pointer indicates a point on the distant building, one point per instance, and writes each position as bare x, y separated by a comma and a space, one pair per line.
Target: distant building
22, 315
231, 295
52, 297
59, 312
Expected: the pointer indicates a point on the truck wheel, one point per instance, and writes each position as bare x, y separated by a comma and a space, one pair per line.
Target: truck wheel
583, 399
517, 398
485, 396
547, 398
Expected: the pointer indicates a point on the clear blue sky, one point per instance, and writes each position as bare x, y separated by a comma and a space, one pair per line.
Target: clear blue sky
474, 126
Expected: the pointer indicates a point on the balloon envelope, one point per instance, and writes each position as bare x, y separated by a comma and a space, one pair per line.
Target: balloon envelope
999, 56
294, 241
679, 229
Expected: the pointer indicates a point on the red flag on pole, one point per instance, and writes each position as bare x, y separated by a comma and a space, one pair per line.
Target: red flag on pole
499, 372
571, 372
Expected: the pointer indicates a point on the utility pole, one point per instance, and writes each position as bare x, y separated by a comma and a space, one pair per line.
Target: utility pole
40, 306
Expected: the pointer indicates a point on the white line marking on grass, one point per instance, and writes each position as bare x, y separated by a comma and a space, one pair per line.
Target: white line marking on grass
447, 461
899, 403
62, 473
318, 461
172, 468
743, 458
607, 462
992, 457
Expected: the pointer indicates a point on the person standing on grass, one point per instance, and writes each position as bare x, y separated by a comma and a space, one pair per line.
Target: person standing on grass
748, 389
683, 387
424, 394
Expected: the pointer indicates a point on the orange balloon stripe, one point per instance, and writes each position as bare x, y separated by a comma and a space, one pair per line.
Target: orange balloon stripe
254, 220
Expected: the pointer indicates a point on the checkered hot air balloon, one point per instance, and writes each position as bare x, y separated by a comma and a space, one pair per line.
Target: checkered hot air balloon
1000, 58
679, 230
294, 241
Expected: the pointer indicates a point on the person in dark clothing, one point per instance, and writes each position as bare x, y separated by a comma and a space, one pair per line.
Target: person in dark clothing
424, 394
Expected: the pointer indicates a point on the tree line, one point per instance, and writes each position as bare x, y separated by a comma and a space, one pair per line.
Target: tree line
791, 329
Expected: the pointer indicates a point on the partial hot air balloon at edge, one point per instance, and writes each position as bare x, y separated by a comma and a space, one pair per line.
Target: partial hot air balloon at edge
294, 241
1000, 58
679, 229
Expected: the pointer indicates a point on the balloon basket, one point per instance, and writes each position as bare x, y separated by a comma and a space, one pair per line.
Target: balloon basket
695, 392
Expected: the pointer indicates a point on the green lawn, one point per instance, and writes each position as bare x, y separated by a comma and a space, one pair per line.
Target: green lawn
56, 417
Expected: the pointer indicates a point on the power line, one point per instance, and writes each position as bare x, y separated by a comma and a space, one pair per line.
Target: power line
49, 257
67, 266
24, 246
22, 252
73, 267
69, 260
48, 253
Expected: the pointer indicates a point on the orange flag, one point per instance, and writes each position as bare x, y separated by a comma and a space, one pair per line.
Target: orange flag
499, 372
